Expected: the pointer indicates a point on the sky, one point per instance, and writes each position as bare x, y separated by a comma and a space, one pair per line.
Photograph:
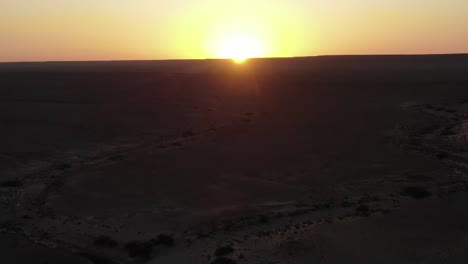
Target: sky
57, 30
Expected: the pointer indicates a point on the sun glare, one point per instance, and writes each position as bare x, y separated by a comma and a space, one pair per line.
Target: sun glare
239, 60
239, 48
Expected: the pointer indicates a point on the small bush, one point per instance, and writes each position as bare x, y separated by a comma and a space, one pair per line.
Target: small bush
11, 183
223, 261
105, 241
263, 219
416, 192
224, 250
64, 166
346, 203
246, 119
118, 157
139, 249
188, 133
442, 155
363, 209
164, 239
94, 258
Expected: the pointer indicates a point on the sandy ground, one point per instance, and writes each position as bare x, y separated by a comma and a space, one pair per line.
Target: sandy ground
326, 159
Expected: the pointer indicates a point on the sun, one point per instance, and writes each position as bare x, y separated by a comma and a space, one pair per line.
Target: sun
239, 47
239, 60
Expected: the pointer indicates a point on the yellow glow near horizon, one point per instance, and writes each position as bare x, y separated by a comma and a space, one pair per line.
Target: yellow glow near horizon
37, 30
240, 60
239, 33
239, 47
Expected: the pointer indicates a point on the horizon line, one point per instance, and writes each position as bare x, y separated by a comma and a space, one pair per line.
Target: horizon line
253, 58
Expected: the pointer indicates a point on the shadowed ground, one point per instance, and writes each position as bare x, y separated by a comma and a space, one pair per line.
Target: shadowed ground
215, 153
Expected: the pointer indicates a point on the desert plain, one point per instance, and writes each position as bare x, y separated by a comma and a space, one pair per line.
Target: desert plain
329, 159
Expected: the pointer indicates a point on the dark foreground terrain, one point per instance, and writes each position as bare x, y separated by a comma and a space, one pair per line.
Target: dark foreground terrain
344, 159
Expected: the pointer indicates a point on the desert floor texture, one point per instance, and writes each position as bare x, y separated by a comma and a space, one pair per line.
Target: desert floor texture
334, 159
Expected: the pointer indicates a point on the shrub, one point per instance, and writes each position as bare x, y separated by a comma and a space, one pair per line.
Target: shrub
164, 239
442, 155
223, 261
188, 133
224, 250
139, 249
363, 209
416, 192
105, 241
11, 183
64, 166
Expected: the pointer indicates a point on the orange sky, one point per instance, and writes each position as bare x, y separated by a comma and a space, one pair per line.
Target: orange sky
44, 30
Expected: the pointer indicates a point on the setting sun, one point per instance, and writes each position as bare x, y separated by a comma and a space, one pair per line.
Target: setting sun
239, 47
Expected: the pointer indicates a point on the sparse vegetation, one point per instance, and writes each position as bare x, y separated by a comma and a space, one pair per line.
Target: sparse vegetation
11, 183
442, 155
447, 131
125, 160
202, 235
10, 226
64, 166
137, 249
224, 250
95, 259
246, 119
263, 219
188, 133
345, 203
367, 198
363, 209
164, 239
223, 260
118, 157
416, 192
105, 241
